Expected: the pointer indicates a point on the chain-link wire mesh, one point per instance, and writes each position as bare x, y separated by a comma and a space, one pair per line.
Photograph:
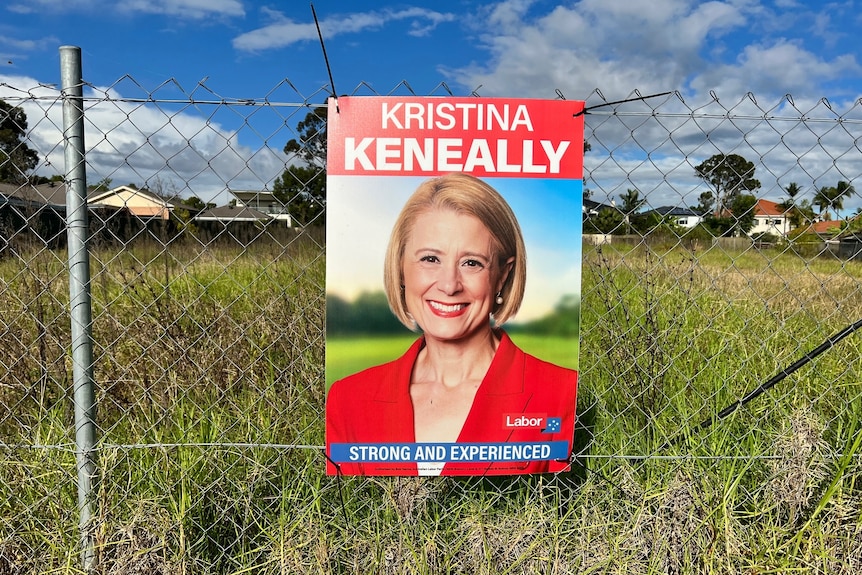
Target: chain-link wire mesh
208, 331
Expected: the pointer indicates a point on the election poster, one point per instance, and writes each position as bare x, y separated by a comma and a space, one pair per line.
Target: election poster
453, 278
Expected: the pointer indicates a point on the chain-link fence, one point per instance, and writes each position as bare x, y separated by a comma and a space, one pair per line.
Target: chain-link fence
206, 259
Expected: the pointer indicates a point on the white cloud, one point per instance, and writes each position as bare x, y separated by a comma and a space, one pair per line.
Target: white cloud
714, 53
783, 65
135, 142
28, 45
194, 9
283, 31
619, 46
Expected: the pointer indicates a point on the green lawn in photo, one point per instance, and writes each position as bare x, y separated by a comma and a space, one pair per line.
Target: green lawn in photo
562, 351
348, 355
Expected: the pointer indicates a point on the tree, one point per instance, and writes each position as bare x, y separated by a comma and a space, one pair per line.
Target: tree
797, 214
197, 203
823, 201
369, 314
302, 188
806, 212
631, 202
742, 208
16, 157
730, 176
788, 206
563, 321
843, 190
644, 223
311, 146
608, 221
832, 197
737, 219
792, 190
102, 185
705, 204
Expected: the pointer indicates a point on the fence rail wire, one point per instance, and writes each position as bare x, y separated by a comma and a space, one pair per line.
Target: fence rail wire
209, 343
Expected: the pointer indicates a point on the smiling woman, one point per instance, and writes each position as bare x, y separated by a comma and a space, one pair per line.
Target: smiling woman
455, 269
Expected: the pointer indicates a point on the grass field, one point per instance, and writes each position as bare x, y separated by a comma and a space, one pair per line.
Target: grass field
210, 372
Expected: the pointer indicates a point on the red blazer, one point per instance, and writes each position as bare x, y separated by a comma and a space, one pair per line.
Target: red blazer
374, 406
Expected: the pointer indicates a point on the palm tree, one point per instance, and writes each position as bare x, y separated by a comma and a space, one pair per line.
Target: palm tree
792, 190
631, 204
823, 199
843, 189
832, 197
791, 210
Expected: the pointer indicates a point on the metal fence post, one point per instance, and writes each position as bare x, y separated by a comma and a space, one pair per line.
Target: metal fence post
79, 295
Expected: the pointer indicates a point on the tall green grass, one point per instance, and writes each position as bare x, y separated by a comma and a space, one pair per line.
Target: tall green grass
211, 389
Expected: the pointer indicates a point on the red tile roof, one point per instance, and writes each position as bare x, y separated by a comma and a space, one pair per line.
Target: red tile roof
826, 227
767, 208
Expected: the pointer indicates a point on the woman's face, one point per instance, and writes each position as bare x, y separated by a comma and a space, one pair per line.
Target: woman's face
451, 276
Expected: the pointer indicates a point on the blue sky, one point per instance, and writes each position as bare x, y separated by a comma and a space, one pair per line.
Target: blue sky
516, 48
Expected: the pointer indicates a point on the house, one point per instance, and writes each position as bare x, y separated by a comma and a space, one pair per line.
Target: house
32, 213
51, 195
827, 229
232, 215
37, 212
770, 218
682, 217
592, 208
236, 224
250, 207
141, 203
263, 201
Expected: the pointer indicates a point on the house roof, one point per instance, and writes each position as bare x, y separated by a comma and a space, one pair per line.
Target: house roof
52, 194
120, 191
231, 214
595, 206
768, 208
673, 211
254, 195
826, 227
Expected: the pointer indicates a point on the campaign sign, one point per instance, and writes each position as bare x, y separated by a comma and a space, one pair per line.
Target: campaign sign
453, 277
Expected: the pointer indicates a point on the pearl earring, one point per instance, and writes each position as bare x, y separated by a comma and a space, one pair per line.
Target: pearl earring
499, 299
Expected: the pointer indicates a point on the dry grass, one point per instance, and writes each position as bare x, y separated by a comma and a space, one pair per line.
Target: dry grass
802, 466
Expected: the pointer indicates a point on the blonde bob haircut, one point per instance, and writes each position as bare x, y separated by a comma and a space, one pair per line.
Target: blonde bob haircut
464, 194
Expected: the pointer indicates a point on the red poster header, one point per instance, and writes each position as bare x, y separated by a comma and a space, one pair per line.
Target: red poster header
487, 137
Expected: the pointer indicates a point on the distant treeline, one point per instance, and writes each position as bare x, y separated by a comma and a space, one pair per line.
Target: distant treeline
369, 314
564, 321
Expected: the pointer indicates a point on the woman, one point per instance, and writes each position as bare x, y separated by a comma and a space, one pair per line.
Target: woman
455, 269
